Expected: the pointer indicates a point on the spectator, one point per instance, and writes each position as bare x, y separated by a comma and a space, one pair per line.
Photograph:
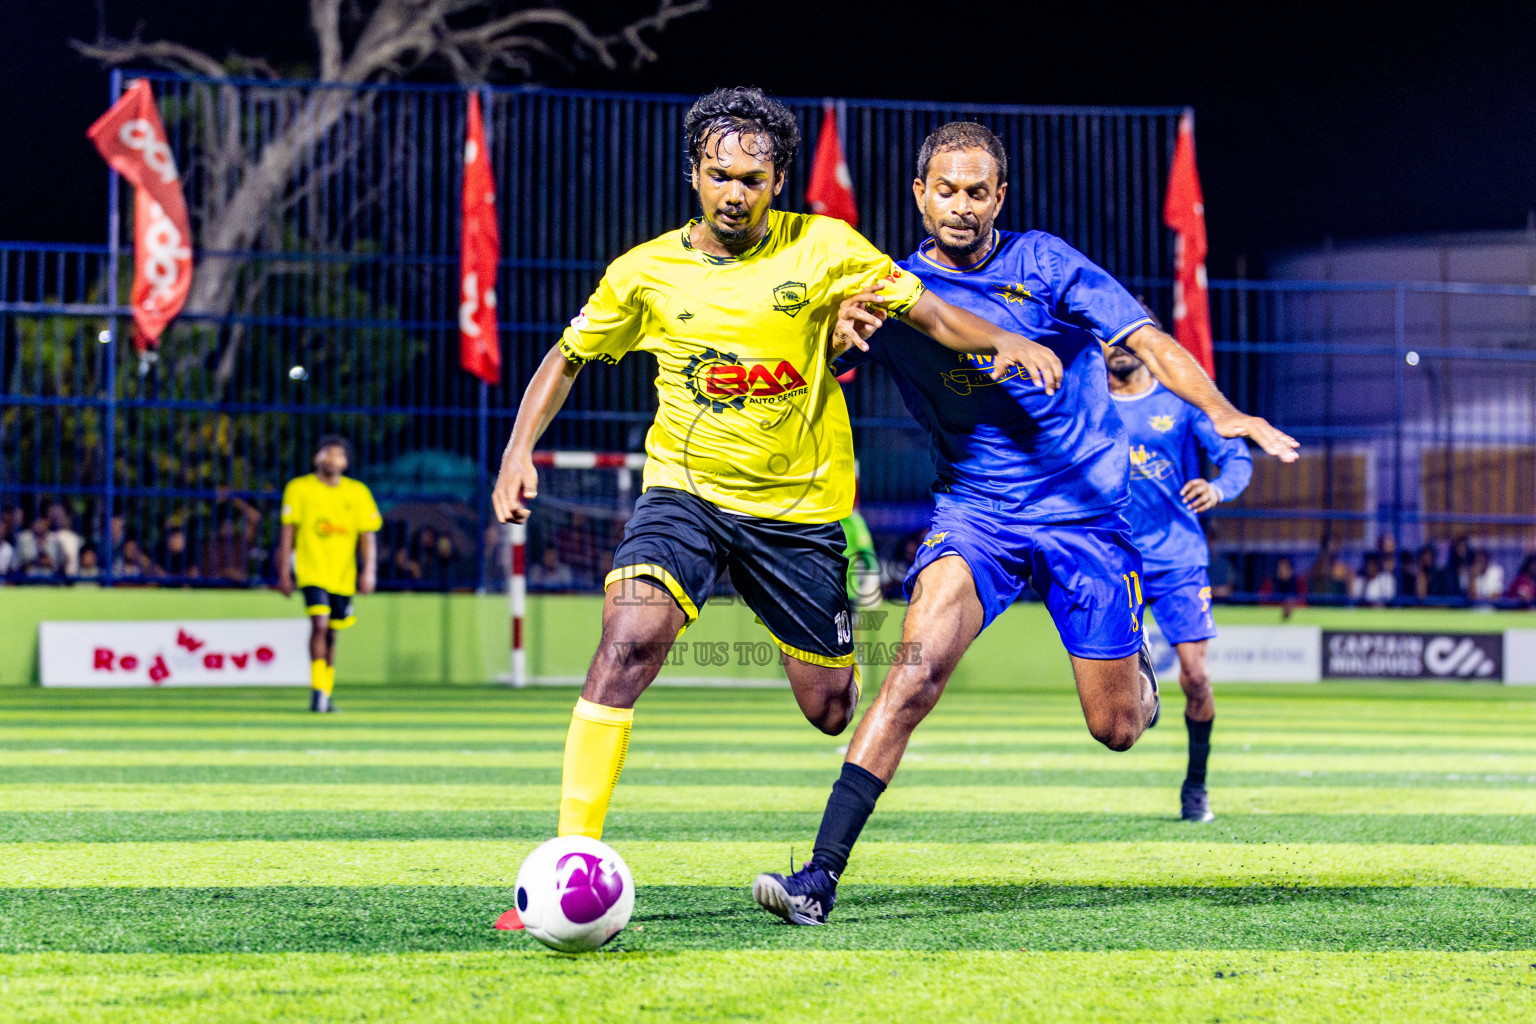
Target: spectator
1433, 581
1376, 584
1337, 583
1407, 575
496, 549
1223, 574
90, 565
7, 549
1459, 562
1284, 587
1344, 575
1320, 575
64, 543
32, 547
228, 556
175, 555
1485, 579
403, 567
550, 573
130, 561
1523, 587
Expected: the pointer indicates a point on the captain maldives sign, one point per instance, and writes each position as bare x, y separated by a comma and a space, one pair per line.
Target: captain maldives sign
1468, 656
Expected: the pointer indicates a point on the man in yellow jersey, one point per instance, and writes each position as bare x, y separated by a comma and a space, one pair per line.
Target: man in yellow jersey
332, 522
750, 458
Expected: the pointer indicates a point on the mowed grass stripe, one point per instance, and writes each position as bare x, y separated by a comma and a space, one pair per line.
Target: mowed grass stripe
643, 759
849, 986
304, 735
397, 919
979, 827
635, 798
467, 862
323, 774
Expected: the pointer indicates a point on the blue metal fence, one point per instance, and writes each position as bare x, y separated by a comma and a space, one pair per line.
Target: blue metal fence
328, 304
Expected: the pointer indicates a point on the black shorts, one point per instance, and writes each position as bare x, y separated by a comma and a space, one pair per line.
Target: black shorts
319, 601
793, 576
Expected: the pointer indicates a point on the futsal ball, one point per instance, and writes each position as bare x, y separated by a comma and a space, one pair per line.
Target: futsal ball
574, 894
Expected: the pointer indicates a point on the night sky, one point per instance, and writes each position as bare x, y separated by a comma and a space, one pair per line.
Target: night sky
1313, 119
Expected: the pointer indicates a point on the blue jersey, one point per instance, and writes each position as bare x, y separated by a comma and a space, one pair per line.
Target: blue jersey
1031, 456
1167, 435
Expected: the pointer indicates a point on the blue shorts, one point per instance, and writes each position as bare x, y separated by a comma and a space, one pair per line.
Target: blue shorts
1087, 571
1180, 601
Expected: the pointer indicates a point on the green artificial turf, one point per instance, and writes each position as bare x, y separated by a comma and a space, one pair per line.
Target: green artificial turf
775, 987
979, 826
222, 856
390, 919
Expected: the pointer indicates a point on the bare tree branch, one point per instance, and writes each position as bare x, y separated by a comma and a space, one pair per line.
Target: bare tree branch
173, 56
325, 19
249, 187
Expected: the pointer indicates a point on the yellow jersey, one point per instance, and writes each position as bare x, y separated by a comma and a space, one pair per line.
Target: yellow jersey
329, 520
750, 417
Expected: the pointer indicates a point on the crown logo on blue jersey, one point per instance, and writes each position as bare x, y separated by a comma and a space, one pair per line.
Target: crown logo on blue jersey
1162, 424
1013, 293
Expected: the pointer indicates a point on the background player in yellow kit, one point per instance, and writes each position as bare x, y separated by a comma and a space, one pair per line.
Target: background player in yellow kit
750, 458
331, 521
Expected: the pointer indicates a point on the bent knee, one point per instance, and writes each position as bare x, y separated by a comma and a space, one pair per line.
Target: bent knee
1118, 732
836, 709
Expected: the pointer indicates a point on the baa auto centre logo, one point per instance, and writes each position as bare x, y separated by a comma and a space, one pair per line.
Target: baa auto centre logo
768, 394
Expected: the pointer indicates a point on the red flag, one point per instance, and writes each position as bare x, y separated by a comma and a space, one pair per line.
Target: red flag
1184, 212
131, 137
831, 189
479, 246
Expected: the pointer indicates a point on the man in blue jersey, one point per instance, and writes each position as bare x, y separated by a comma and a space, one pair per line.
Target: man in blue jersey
1167, 435
1031, 483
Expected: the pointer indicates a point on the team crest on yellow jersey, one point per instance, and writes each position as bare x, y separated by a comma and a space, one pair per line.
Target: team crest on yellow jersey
1161, 424
789, 297
1013, 293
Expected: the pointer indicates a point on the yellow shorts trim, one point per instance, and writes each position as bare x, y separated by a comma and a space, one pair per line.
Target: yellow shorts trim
811, 658
318, 609
660, 575
346, 623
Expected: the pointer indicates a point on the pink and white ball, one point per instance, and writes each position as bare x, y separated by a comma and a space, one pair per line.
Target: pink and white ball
574, 894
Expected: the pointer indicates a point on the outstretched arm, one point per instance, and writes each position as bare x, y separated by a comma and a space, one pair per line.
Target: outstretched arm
518, 482
1177, 371
952, 327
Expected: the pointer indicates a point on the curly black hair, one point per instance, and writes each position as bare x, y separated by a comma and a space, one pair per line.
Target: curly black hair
743, 111
334, 441
963, 135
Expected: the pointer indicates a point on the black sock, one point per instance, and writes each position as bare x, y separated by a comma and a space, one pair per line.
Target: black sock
1199, 748
848, 808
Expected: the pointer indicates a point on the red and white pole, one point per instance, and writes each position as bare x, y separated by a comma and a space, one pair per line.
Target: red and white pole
517, 590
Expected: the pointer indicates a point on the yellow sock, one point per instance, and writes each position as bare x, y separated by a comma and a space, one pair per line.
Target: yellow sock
321, 676
594, 757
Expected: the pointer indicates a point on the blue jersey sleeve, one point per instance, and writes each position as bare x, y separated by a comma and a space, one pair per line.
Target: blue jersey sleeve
1086, 293
1230, 454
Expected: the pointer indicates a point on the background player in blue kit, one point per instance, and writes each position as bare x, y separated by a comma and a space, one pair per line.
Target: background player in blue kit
1031, 480
1166, 436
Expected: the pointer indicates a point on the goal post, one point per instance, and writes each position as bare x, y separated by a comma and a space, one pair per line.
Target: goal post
584, 500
